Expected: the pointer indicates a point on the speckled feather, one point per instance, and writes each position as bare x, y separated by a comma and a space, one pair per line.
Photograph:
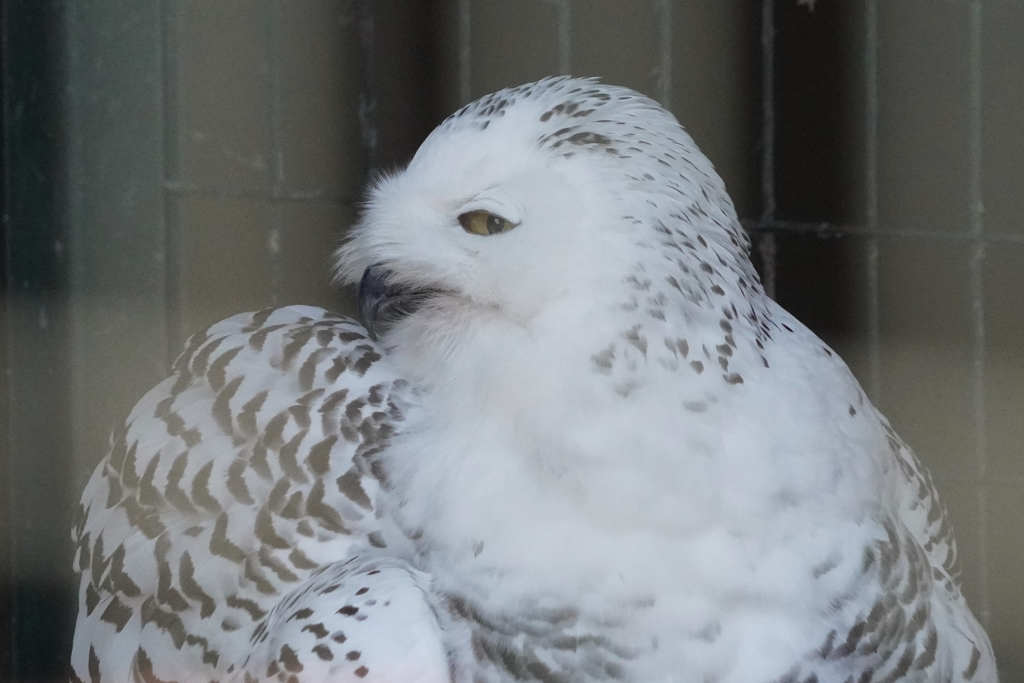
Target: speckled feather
597, 452
234, 486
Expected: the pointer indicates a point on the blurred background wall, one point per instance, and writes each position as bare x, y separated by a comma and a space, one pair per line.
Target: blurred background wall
167, 163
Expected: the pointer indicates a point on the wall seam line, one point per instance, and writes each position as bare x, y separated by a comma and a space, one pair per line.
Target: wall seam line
871, 199
766, 243
977, 288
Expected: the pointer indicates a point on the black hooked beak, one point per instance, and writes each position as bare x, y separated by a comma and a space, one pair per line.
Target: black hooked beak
383, 303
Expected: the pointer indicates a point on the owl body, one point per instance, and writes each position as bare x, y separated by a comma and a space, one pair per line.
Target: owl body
580, 444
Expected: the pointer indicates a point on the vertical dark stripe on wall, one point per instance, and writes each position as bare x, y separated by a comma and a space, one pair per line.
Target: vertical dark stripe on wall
401, 101
36, 606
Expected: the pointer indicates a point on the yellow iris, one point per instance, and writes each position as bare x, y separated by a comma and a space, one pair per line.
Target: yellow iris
484, 223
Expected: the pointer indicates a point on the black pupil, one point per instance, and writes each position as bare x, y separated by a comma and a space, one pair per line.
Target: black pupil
494, 223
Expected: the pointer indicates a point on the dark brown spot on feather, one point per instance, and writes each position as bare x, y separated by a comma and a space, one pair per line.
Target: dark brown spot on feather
316, 629
221, 408
300, 560
297, 340
216, 375
202, 357
120, 581
236, 482
247, 605
94, 663
293, 509
350, 485
289, 659
351, 336
201, 489
326, 515
265, 532
365, 361
167, 621
116, 613
192, 589
319, 456
220, 544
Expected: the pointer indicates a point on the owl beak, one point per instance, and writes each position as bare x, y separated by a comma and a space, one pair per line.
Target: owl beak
382, 303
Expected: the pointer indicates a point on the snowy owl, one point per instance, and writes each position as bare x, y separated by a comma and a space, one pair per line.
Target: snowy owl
571, 440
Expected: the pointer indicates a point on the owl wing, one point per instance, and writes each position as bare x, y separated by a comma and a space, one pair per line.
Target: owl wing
904, 617
236, 485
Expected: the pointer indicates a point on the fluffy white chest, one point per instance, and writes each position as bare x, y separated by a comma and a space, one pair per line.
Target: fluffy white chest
627, 525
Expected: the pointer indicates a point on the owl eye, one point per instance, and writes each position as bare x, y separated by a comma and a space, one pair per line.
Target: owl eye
484, 223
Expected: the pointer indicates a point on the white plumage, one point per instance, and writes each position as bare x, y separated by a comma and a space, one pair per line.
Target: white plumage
585, 446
